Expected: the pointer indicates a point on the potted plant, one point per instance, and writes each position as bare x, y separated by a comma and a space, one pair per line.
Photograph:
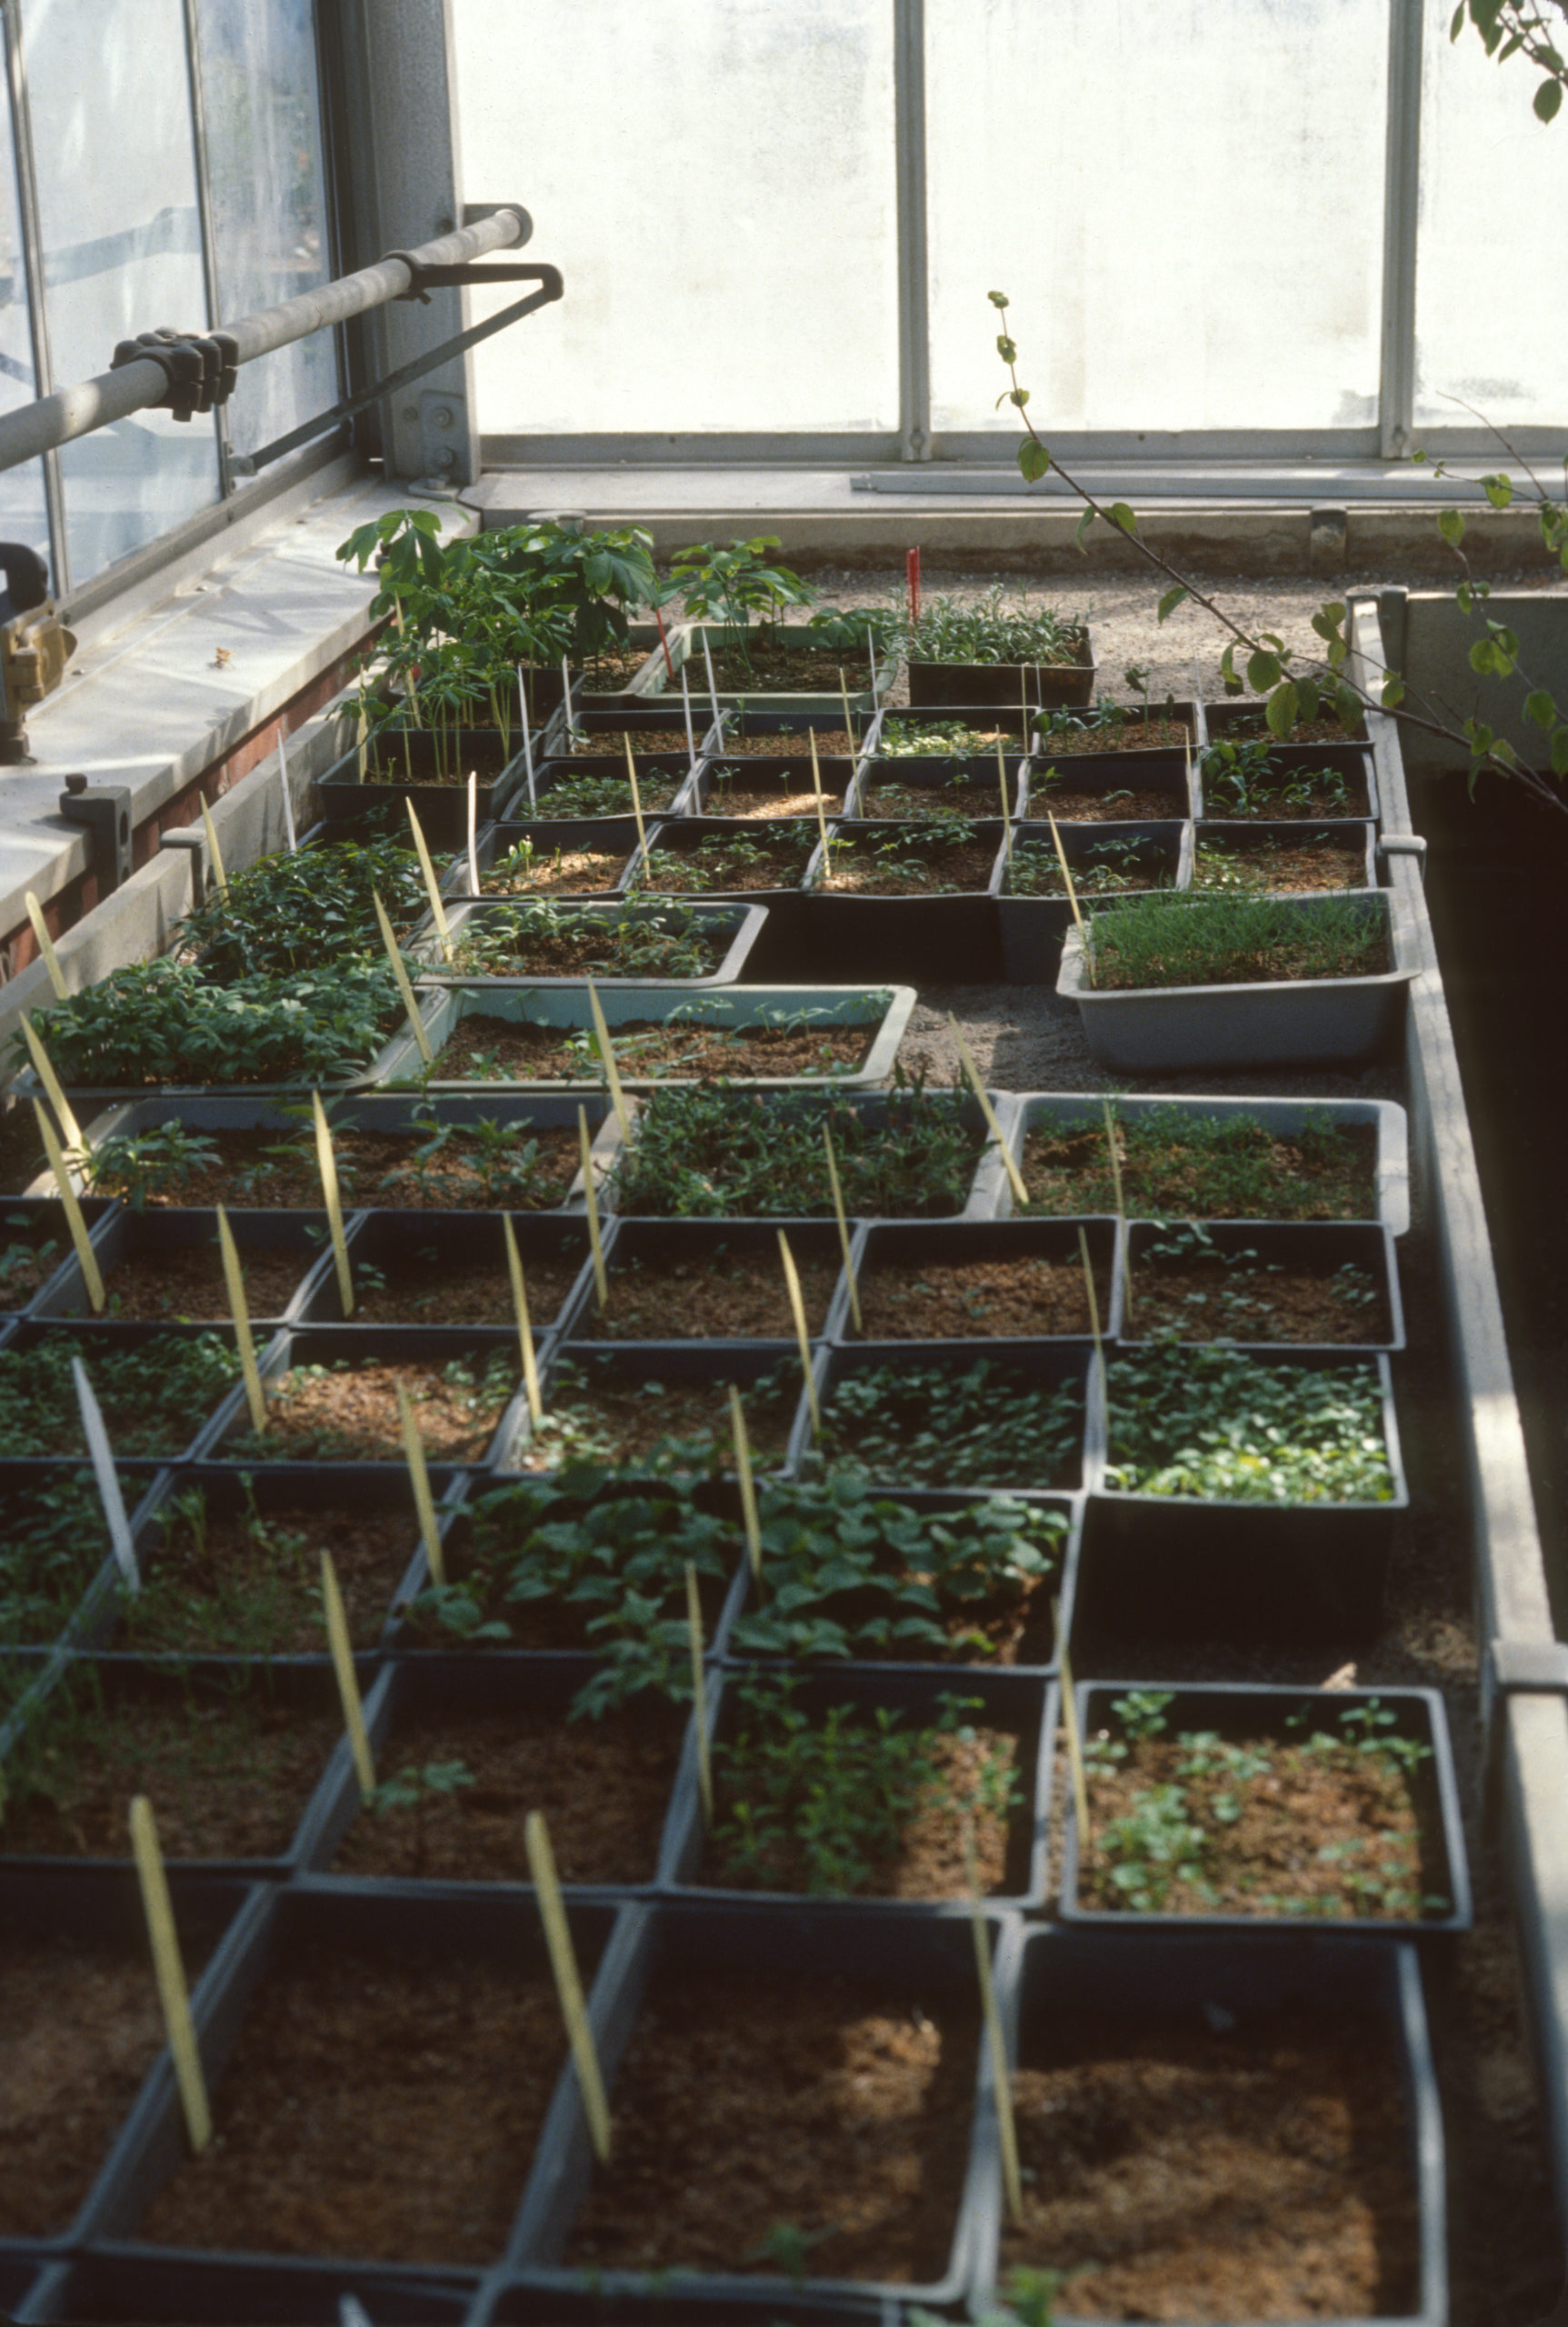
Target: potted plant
988, 653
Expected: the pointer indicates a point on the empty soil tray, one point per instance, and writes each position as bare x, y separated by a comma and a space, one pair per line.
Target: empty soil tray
345, 1411
728, 1296
989, 1299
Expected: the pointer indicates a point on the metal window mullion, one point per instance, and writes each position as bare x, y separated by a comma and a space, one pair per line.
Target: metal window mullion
1401, 216
32, 270
913, 277
204, 216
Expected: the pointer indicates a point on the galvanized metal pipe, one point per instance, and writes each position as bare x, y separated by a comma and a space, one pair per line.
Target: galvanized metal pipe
57, 419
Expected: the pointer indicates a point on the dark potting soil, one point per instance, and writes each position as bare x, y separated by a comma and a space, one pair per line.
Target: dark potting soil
1313, 864
728, 1296
559, 872
935, 804
784, 796
498, 1050
189, 1285
934, 867
603, 1785
1216, 1301
80, 2026
375, 2106
374, 1168
623, 1420
228, 1775
223, 1585
929, 1861
426, 1289
780, 863
1133, 735
1316, 1833
749, 2102
1321, 801
832, 744
603, 741
1258, 1176
347, 1413
956, 1300
1116, 807
1253, 726
27, 1256
1179, 2174
762, 666
608, 672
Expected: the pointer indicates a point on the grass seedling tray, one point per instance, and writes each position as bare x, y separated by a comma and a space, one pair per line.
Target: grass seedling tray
1014, 1279
1422, 1887
1248, 1189
660, 1033
1213, 1283
1031, 927
876, 1831
717, 1282
728, 932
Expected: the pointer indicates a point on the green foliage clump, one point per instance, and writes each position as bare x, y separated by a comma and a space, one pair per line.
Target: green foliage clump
1215, 1424
1245, 780
1237, 940
1106, 868
1206, 1167
52, 1541
294, 913
509, 941
949, 630
154, 1394
989, 1426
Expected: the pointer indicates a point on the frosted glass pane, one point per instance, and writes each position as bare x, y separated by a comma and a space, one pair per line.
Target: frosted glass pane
113, 151
1490, 321
268, 199
1183, 202
23, 514
716, 183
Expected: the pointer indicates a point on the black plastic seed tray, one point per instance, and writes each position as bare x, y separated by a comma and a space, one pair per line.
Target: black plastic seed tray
428, 1250
909, 1249
226, 1436
967, 784
849, 936
1321, 1248
1237, 1709
636, 1365
610, 835
1244, 839
152, 1239
93, 1342
1031, 928
1113, 788
1046, 1365
402, 765
677, 1250
734, 929
1352, 761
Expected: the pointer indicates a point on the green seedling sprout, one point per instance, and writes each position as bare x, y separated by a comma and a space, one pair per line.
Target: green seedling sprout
170, 1972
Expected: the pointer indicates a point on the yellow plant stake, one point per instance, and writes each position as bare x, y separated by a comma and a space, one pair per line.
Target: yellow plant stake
44, 1069
700, 1695
419, 1473
1072, 897
1006, 813
832, 1181
45, 945
568, 1982
432, 886
1020, 1192
607, 1051
347, 1684
792, 1279
1121, 1209
255, 1398
748, 1487
821, 810
636, 800
170, 1972
326, 1163
524, 1331
596, 1242
1006, 2128
1074, 1739
92, 1275
403, 988
1094, 1303
220, 878
363, 742
848, 722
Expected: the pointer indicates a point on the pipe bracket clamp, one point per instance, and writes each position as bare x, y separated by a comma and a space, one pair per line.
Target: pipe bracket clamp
200, 369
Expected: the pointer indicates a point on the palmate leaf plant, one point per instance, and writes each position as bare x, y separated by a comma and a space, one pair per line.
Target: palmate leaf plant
1216, 1424
598, 1555
289, 914
164, 1022
730, 586
849, 1572
717, 1151
989, 1426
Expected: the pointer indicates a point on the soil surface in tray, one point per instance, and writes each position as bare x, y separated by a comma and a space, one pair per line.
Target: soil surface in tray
832, 744
929, 1861
935, 867
944, 1300
1101, 807
778, 670
79, 2029
1132, 735
1258, 2173
1314, 1833
935, 804
783, 796
376, 2105
228, 1775
750, 2102
728, 1296
499, 1050
558, 872
424, 1289
27, 1256
603, 1785
1257, 1174
779, 863
376, 1169
621, 1420
1253, 726
604, 742
608, 672
189, 1284
1274, 805
1211, 1301
349, 1413
1314, 864
218, 1584
588, 951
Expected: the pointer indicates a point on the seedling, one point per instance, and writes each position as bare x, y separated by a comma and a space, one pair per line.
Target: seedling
45, 945
990, 1425
1215, 1424
951, 632
170, 1974
1244, 779
418, 1790
1222, 938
